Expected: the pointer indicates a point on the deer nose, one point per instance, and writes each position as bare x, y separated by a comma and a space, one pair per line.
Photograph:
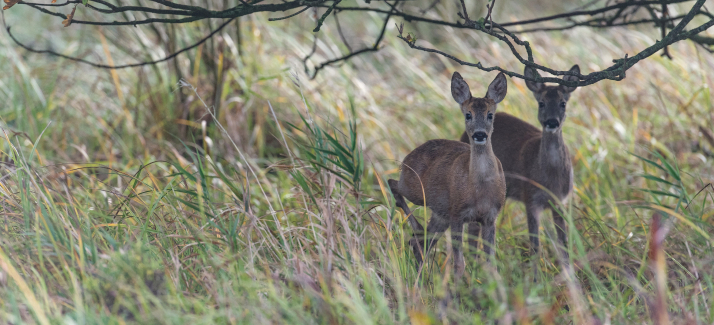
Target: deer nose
480, 137
551, 124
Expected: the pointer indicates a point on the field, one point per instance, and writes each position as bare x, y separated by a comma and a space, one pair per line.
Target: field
122, 203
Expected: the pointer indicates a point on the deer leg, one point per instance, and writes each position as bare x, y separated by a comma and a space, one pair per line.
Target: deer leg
562, 238
474, 233
489, 237
401, 203
560, 229
533, 214
417, 229
435, 228
457, 229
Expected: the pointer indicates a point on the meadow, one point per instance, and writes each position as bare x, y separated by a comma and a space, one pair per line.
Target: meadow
227, 187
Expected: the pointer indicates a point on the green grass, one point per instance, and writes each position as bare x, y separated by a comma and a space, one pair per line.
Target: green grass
112, 213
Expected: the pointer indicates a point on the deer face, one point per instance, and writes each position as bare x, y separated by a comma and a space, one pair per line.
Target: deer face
552, 100
478, 112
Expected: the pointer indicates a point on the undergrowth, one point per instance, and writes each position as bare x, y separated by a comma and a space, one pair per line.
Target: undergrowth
143, 197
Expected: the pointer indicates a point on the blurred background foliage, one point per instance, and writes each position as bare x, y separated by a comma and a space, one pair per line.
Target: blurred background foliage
227, 187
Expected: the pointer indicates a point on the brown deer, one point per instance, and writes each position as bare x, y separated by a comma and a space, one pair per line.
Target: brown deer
537, 155
460, 183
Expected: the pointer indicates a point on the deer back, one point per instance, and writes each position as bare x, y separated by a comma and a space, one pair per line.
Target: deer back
429, 170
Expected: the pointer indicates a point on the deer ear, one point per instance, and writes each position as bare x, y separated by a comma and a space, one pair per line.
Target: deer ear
574, 69
533, 86
497, 89
459, 89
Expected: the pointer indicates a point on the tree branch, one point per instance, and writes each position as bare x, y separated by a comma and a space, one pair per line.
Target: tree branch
104, 66
350, 54
623, 13
614, 72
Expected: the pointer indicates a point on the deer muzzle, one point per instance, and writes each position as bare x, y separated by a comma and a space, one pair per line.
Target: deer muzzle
480, 137
551, 125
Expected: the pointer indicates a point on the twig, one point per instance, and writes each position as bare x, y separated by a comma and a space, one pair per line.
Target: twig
596, 23
339, 31
615, 72
290, 16
663, 28
327, 13
463, 14
489, 17
104, 66
312, 52
351, 54
611, 14
710, 185
589, 12
431, 6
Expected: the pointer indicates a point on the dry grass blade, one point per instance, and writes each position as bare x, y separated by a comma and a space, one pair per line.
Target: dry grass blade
6, 265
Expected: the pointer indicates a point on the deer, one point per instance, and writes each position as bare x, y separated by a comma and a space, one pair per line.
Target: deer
460, 183
532, 155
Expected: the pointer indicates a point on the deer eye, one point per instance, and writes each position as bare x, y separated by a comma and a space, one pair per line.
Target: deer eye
562, 104
468, 116
490, 116
541, 104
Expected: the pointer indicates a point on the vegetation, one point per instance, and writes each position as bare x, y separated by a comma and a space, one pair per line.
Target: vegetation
122, 204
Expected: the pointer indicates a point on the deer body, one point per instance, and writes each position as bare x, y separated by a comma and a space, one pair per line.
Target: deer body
537, 155
543, 159
461, 183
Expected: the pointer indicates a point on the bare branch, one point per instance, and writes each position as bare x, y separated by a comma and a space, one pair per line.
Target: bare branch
609, 15
327, 13
614, 72
349, 55
104, 66
464, 14
290, 16
599, 23
489, 17
591, 12
339, 31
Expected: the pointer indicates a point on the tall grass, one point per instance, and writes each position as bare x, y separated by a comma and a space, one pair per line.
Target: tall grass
121, 206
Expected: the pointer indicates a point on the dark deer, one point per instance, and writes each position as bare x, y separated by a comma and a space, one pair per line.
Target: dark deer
530, 154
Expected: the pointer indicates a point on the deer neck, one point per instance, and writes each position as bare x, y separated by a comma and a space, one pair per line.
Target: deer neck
553, 152
482, 165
